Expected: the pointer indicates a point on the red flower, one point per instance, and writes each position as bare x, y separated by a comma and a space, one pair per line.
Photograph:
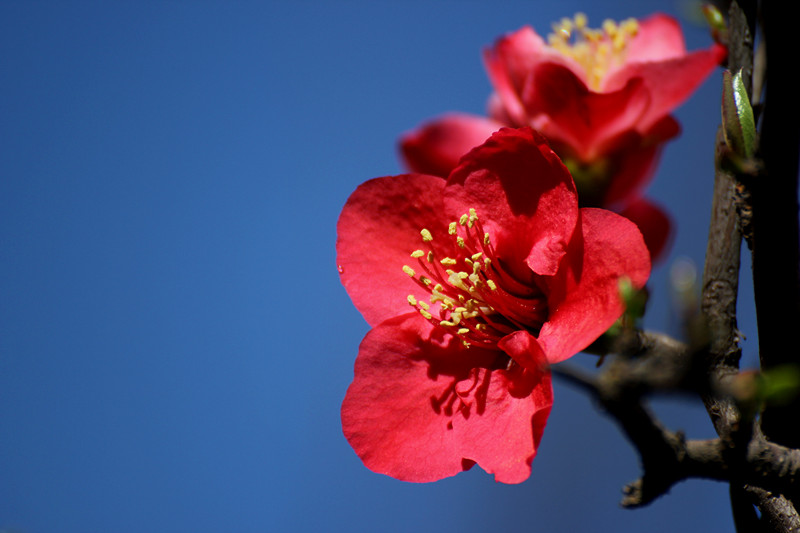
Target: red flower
504, 275
602, 99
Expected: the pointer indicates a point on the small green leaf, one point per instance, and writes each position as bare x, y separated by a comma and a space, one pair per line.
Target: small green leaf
738, 123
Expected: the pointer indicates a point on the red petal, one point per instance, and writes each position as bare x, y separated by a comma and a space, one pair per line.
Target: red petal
669, 82
421, 408
584, 297
378, 229
659, 37
508, 64
523, 194
564, 109
654, 223
437, 146
523, 348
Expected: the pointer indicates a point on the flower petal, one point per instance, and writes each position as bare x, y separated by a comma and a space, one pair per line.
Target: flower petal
508, 64
584, 296
378, 229
523, 193
437, 146
670, 82
659, 37
654, 223
421, 407
563, 108
525, 350
505, 438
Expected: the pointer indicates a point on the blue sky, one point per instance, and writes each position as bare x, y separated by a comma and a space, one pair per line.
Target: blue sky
174, 340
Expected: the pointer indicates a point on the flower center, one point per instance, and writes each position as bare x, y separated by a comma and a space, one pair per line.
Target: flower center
472, 295
596, 50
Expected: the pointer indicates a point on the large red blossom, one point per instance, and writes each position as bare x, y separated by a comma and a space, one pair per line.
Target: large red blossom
472, 287
602, 98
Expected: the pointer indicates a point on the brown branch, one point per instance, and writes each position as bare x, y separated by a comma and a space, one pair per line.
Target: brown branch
732, 209
778, 513
666, 456
720, 289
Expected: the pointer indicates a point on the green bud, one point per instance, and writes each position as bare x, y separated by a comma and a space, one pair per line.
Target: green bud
738, 124
775, 386
716, 22
780, 384
634, 299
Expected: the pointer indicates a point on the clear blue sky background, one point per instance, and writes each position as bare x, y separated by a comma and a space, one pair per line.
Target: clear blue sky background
174, 339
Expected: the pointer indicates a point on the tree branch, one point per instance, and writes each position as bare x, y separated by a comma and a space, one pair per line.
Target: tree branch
667, 457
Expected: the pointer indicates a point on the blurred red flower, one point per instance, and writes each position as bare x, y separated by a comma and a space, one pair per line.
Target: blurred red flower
601, 97
505, 275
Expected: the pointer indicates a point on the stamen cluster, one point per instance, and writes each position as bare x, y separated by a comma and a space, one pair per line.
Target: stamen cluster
596, 50
481, 303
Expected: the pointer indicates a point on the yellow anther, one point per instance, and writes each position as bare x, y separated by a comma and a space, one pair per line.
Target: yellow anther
477, 256
473, 216
447, 323
487, 261
408, 270
580, 20
619, 42
430, 256
610, 27
630, 27
491, 284
412, 300
453, 228
424, 305
425, 280
438, 287
463, 219
463, 275
480, 327
486, 239
425, 314
448, 261
476, 267
426, 235
416, 254
463, 331
458, 283
460, 242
